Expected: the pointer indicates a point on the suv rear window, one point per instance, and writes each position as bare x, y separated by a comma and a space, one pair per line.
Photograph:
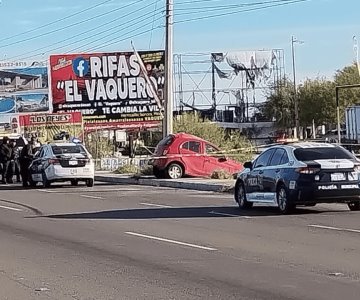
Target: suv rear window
321, 153
58, 150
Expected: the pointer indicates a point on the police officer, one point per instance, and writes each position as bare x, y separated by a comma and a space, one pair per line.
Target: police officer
25, 158
5, 158
14, 163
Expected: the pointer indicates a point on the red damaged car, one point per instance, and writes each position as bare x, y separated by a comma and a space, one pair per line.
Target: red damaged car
183, 154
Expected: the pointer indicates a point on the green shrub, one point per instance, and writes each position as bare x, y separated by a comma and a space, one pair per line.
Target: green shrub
148, 170
127, 169
221, 174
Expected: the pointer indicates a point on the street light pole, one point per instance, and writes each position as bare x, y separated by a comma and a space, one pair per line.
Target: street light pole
296, 103
169, 100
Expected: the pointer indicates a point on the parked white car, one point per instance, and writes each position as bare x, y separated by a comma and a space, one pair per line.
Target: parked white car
61, 162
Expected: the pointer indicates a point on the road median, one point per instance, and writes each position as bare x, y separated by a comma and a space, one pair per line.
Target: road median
197, 184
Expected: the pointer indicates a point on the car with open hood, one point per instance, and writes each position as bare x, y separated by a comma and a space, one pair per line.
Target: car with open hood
183, 154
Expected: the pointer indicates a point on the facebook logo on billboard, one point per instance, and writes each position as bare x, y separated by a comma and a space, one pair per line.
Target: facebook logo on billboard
80, 66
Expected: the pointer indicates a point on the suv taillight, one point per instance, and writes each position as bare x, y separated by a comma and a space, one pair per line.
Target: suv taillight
308, 170
357, 168
53, 161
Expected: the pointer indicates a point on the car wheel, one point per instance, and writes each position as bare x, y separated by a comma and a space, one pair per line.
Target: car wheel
46, 183
282, 197
175, 171
89, 182
158, 173
74, 182
241, 197
354, 206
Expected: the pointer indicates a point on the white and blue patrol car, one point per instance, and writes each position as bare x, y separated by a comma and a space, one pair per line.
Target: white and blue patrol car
300, 174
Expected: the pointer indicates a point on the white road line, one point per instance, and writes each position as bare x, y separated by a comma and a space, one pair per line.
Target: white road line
45, 191
169, 241
335, 228
91, 197
228, 215
10, 208
155, 205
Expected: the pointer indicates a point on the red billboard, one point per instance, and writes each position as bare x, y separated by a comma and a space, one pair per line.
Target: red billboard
109, 89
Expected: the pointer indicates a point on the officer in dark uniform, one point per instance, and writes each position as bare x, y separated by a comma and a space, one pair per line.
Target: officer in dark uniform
26, 156
5, 158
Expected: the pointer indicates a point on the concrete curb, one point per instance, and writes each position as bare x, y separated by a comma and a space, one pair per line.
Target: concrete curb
197, 186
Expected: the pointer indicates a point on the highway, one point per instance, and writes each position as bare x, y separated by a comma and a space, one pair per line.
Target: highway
133, 242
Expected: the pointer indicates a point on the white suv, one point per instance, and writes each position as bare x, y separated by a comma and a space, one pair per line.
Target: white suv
60, 162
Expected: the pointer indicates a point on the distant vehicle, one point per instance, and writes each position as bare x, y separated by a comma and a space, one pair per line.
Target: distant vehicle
183, 154
63, 135
61, 162
331, 136
300, 174
352, 118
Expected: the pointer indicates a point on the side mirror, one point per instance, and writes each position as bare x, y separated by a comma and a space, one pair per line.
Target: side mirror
248, 165
222, 159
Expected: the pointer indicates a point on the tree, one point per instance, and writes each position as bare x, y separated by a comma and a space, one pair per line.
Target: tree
346, 76
280, 105
317, 102
235, 146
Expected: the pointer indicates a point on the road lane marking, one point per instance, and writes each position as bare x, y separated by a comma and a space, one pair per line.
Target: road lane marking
10, 208
169, 241
335, 228
228, 215
45, 191
155, 205
91, 197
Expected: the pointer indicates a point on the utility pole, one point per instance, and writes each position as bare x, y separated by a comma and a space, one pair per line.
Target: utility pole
296, 102
213, 86
169, 96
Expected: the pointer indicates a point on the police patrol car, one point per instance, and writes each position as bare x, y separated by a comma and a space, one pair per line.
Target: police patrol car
60, 162
300, 174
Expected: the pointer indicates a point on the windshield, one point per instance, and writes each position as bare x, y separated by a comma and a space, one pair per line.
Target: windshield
321, 153
58, 150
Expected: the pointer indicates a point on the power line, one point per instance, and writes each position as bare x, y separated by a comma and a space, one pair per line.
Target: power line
239, 11
111, 34
56, 21
136, 21
82, 33
153, 24
73, 24
124, 39
231, 6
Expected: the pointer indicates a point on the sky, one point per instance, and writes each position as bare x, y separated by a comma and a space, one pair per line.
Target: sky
326, 27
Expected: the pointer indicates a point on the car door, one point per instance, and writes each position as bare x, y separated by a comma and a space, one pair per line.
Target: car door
192, 155
36, 166
212, 160
254, 180
272, 173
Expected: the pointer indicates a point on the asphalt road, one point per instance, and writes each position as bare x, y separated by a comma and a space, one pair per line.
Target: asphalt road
131, 242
